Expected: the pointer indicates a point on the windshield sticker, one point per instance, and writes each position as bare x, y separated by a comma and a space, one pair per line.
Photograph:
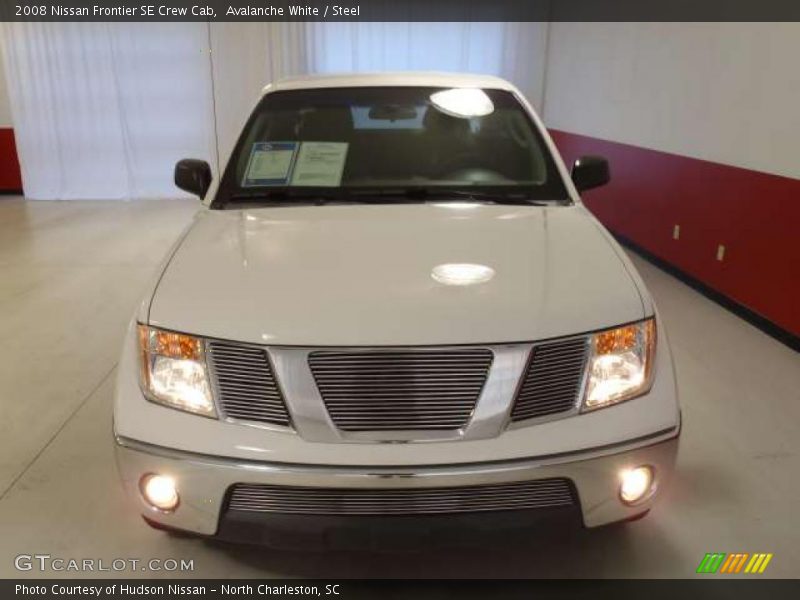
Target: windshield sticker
320, 164
270, 163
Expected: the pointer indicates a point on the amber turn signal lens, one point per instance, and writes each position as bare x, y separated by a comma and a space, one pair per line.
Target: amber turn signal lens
169, 344
616, 340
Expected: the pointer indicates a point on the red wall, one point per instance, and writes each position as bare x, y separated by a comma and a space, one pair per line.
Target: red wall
10, 179
755, 215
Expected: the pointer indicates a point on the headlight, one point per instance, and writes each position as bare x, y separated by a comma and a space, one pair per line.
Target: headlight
173, 371
620, 364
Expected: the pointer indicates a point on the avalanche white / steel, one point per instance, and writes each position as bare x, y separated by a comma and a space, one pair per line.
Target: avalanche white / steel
393, 303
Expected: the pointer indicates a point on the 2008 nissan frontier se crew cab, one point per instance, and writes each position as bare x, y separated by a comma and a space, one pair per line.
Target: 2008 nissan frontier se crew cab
393, 305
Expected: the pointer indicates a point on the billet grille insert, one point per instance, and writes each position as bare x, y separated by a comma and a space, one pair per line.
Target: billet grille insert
552, 381
518, 495
394, 390
246, 384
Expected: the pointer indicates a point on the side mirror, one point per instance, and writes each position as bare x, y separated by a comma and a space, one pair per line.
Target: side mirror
590, 172
193, 176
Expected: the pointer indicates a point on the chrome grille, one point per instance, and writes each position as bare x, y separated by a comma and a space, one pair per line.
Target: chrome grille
552, 380
245, 383
415, 389
541, 493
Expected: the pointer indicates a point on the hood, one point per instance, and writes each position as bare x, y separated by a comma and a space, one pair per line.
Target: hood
362, 275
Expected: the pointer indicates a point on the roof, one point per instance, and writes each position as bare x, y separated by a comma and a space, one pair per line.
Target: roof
396, 79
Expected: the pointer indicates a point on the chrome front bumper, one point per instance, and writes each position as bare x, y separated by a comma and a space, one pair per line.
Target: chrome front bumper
203, 481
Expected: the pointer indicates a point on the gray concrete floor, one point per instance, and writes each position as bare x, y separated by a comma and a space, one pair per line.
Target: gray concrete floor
70, 276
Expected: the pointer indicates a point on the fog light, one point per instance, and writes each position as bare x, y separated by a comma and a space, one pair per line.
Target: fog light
160, 492
635, 484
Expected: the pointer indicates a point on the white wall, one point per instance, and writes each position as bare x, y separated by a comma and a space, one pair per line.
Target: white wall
726, 92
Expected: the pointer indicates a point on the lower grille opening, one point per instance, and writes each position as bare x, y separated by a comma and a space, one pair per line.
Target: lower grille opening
518, 495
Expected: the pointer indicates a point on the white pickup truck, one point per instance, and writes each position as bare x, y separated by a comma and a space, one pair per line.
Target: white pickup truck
392, 306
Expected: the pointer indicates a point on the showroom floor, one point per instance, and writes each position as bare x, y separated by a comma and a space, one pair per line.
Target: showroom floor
70, 275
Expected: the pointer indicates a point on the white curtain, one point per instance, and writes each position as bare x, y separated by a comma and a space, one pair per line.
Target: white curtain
514, 51
104, 110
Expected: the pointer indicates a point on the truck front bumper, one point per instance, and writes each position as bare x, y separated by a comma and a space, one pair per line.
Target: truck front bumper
203, 482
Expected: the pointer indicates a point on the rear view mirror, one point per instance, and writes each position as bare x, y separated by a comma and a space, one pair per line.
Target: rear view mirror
590, 172
392, 112
193, 176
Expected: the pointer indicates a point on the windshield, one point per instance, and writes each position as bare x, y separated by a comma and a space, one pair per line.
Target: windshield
358, 144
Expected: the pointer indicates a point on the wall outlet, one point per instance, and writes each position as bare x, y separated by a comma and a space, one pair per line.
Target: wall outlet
676, 232
720, 253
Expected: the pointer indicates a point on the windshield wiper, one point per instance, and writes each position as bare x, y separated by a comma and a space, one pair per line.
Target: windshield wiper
456, 195
288, 195
282, 195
